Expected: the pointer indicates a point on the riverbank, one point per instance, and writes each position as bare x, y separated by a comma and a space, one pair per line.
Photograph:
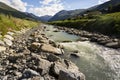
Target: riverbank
32, 55
108, 41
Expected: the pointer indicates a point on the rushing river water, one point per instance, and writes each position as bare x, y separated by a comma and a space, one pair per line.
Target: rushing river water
96, 62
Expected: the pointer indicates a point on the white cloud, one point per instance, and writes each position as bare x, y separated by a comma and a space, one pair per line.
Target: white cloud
17, 4
49, 7
102, 1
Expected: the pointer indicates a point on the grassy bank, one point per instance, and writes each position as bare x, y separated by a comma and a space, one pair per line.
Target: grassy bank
107, 24
9, 23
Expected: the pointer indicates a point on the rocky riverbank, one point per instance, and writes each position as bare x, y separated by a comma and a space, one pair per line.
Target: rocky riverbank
111, 42
33, 56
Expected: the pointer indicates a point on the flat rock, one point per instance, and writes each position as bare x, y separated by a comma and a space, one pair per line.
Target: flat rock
2, 48
113, 45
2, 43
30, 73
8, 42
9, 37
51, 49
10, 33
68, 75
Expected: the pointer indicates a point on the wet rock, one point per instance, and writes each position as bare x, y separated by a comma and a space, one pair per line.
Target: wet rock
94, 39
2, 48
75, 55
56, 30
51, 49
112, 45
8, 42
68, 75
83, 39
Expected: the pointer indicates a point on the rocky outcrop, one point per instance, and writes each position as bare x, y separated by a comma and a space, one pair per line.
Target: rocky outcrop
27, 57
108, 41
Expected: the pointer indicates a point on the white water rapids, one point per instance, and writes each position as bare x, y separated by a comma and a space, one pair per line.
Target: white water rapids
96, 62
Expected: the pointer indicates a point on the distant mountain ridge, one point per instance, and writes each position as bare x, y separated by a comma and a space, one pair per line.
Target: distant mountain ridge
45, 18
69, 14
66, 14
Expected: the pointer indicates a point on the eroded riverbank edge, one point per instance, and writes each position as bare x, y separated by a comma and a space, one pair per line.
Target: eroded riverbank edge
33, 56
107, 41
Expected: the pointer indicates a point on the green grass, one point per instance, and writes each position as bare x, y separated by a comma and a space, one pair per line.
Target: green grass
9, 23
107, 23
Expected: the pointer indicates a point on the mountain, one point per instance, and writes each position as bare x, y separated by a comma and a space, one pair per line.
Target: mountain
107, 4
45, 18
66, 14
7, 10
73, 13
103, 7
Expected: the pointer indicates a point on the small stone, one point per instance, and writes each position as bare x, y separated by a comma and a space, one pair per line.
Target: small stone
8, 42
35, 46
10, 33
9, 37
30, 73
2, 48
2, 43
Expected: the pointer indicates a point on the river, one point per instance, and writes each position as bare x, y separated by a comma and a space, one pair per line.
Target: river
96, 62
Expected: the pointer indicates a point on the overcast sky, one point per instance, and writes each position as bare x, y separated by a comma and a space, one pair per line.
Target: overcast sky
50, 7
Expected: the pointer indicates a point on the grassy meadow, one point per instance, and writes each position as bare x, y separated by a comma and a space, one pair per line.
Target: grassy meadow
9, 23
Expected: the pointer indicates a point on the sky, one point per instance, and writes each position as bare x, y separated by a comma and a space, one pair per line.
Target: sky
50, 7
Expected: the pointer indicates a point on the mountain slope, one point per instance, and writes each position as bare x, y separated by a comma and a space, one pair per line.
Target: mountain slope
65, 14
45, 18
7, 10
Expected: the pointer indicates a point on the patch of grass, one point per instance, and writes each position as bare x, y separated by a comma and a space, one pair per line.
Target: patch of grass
107, 23
9, 23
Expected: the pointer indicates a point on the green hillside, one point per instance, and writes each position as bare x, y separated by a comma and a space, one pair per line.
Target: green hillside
9, 23
107, 24
7, 10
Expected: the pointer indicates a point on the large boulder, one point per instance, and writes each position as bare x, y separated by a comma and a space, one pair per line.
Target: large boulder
44, 66
51, 49
113, 45
56, 67
68, 75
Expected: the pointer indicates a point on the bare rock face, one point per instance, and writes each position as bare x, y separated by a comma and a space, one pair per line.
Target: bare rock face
66, 70
51, 49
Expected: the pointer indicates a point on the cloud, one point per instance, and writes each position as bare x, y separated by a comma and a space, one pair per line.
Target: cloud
102, 1
48, 7
17, 4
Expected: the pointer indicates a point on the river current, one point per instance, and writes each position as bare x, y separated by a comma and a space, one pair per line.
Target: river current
96, 62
